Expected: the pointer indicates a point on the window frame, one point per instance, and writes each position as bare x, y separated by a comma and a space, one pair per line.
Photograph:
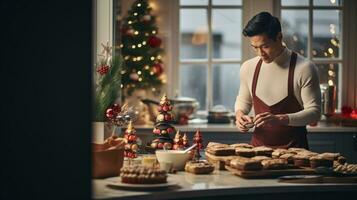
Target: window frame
340, 60
209, 62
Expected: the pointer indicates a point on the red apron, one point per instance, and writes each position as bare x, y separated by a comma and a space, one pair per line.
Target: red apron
279, 136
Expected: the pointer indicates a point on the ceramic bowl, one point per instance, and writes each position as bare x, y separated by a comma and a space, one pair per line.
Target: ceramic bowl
176, 157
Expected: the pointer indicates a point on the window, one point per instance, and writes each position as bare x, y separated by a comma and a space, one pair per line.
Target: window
210, 51
313, 28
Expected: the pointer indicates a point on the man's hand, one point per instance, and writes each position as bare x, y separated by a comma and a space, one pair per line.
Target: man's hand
269, 119
242, 121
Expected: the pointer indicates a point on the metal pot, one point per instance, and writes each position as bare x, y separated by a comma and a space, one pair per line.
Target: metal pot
182, 106
219, 114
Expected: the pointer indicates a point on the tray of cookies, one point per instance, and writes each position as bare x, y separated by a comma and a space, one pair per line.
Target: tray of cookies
265, 162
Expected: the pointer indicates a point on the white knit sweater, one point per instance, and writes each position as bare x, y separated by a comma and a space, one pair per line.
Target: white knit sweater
272, 86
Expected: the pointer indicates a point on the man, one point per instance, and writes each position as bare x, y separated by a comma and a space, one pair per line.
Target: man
282, 87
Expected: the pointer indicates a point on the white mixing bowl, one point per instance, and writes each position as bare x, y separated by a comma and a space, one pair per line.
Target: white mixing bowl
176, 157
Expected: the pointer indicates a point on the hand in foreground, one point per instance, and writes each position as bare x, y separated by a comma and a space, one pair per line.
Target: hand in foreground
269, 119
243, 122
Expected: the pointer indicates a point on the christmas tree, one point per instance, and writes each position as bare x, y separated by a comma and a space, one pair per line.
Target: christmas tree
185, 141
131, 146
141, 49
178, 141
163, 127
197, 139
107, 80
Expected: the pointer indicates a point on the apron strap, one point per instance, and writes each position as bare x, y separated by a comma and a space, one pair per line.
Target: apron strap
291, 73
255, 77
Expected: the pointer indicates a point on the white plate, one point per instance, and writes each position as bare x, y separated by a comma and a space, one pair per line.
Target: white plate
118, 184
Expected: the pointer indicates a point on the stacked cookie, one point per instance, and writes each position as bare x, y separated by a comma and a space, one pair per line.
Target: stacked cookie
199, 167
139, 174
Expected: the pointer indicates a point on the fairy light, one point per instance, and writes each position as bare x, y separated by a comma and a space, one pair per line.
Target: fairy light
139, 58
134, 59
121, 46
135, 14
330, 50
138, 5
330, 82
152, 58
151, 73
139, 45
332, 29
331, 73
126, 57
139, 72
121, 85
123, 72
140, 79
144, 42
334, 42
130, 22
133, 46
153, 32
325, 53
153, 89
146, 67
158, 57
333, 1
136, 33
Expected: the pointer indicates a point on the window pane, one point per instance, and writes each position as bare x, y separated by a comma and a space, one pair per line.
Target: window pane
329, 74
326, 33
226, 30
193, 81
194, 33
295, 26
225, 84
193, 2
227, 2
328, 2
294, 2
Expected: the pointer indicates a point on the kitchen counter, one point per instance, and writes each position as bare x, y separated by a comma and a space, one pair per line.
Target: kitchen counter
204, 127
324, 137
224, 185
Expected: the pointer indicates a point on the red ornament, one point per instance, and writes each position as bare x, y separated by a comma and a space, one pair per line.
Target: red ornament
170, 130
154, 41
158, 69
129, 32
110, 113
116, 108
132, 138
346, 110
165, 108
146, 18
103, 69
167, 117
134, 76
159, 109
156, 131
354, 113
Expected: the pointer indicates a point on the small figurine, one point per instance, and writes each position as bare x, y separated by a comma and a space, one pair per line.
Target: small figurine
197, 139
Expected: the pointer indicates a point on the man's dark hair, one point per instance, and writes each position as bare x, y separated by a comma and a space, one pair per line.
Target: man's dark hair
262, 23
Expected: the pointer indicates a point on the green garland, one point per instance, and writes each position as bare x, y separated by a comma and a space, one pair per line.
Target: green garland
107, 88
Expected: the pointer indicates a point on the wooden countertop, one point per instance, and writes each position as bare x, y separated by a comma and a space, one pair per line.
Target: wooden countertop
204, 127
220, 183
